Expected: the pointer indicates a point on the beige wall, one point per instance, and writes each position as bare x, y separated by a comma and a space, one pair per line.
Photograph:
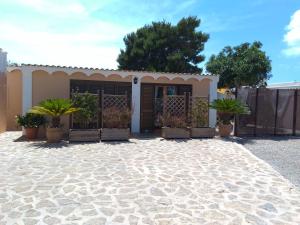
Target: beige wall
14, 99
57, 85
200, 88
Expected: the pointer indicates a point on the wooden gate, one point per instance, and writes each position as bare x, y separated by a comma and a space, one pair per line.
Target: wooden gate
151, 105
147, 107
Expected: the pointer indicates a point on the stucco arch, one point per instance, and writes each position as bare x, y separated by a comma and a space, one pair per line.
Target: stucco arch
97, 76
59, 74
78, 75
163, 79
147, 79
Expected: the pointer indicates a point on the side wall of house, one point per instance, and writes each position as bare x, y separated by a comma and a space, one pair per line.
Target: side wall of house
14, 99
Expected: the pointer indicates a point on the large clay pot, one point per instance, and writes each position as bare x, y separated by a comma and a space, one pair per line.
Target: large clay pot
225, 130
54, 135
31, 132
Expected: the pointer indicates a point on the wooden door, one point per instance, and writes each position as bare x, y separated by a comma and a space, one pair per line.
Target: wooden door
147, 107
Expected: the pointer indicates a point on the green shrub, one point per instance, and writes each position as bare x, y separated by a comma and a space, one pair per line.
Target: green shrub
30, 120
88, 105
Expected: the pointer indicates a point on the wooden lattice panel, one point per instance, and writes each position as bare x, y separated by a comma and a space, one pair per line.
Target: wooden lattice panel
118, 101
175, 105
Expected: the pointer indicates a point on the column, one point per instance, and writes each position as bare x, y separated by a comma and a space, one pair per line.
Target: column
213, 94
136, 104
26, 90
3, 61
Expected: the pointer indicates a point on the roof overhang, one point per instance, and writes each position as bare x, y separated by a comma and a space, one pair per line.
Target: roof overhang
107, 72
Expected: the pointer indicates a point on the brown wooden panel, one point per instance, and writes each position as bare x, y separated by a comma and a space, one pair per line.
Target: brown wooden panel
147, 119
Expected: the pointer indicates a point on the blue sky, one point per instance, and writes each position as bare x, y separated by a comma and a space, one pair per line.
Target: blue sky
89, 33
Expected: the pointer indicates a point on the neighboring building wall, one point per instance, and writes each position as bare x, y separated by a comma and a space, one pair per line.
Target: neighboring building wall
3, 94
14, 99
3, 97
3, 62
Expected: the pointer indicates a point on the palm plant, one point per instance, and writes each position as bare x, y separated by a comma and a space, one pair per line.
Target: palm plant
227, 108
54, 108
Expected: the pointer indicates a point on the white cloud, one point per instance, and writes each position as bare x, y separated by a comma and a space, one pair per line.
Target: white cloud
91, 46
77, 39
54, 7
292, 37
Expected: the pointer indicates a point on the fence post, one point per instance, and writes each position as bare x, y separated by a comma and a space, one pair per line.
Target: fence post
236, 116
276, 111
295, 112
102, 107
186, 95
256, 107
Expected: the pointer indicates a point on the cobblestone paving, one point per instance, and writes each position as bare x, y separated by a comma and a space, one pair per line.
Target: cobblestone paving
152, 181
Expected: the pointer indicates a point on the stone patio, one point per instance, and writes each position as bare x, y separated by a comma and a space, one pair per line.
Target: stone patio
144, 181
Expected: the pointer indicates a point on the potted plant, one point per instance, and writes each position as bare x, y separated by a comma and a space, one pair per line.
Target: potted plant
30, 122
174, 126
199, 120
85, 121
227, 109
115, 124
54, 108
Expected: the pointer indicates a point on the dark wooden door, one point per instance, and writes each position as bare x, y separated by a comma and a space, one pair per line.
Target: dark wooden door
147, 107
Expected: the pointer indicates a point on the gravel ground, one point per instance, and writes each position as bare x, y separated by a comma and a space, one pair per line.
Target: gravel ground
282, 153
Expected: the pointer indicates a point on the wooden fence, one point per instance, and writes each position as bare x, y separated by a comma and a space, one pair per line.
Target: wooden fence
273, 112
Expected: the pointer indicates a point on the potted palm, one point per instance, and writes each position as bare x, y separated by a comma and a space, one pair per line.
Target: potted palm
54, 108
227, 109
85, 121
174, 126
115, 124
30, 123
199, 120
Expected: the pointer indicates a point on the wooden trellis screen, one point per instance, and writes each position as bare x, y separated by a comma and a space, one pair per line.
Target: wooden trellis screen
183, 105
117, 101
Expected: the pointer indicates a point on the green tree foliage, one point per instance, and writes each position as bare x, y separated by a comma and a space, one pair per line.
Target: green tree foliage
164, 47
243, 65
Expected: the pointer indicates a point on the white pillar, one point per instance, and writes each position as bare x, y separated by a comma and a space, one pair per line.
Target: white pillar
3, 61
136, 104
213, 94
26, 90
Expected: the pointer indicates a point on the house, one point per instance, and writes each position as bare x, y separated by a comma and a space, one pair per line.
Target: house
287, 85
23, 86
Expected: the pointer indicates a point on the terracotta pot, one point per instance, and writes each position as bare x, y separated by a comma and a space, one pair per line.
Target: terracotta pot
54, 135
31, 132
225, 130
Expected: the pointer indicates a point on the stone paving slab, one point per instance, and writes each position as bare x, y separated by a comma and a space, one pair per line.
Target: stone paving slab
144, 181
